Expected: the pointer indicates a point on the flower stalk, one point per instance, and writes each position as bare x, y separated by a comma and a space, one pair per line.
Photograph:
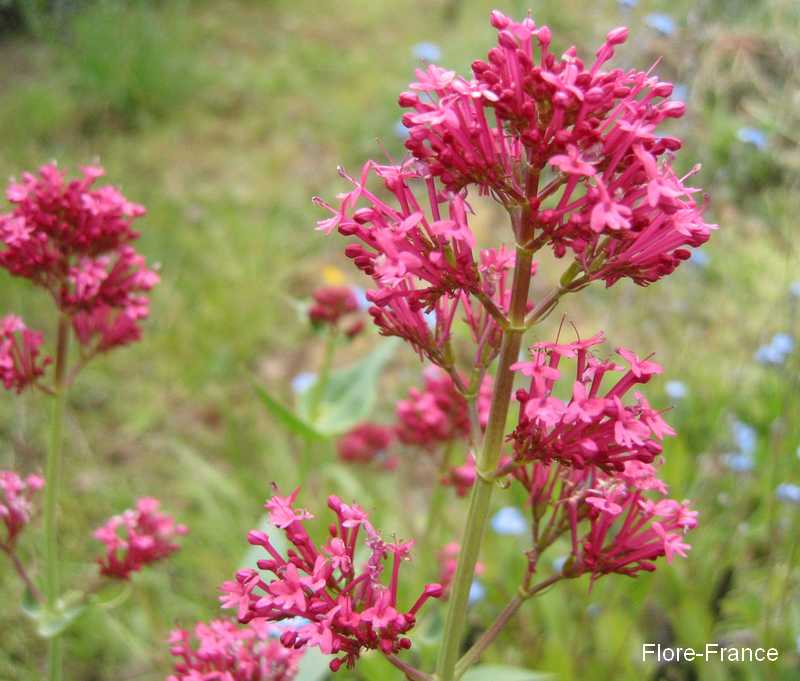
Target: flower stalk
486, 464
53, 475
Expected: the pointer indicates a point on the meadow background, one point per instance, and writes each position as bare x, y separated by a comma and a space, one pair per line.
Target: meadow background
224, 118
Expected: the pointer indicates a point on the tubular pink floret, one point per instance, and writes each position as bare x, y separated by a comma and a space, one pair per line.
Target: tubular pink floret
20, 365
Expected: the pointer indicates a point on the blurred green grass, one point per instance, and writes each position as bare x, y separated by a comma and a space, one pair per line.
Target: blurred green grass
224, 118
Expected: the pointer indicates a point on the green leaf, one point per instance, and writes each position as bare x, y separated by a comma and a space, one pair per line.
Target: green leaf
51, 623
313, 666
498, 672
287, 417
350, 393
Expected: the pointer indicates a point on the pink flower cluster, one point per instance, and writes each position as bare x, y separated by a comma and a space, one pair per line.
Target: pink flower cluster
16, 504
332, 305
617, 523
594, 426
365, 443
344, 609
224, 651
436, 414
611, 196
420, 254
74, 240
20, 365
136, 538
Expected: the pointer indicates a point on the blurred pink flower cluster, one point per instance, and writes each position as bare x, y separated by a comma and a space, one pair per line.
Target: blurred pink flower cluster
334, 305
344, 609
224, 651
74, 240
16, 504
136, 538
20, 365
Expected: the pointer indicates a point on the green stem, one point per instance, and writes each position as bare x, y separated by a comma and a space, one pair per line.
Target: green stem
53, 475
318, 388
486, 464
437, 500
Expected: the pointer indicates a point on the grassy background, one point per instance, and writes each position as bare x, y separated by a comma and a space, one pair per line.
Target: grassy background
224, 118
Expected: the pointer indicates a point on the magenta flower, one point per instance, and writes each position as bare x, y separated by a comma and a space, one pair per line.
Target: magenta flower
20, 365
344, 610
74, 240
594, 427
365, 442
16, 504
136, 538
333, 304
224, 651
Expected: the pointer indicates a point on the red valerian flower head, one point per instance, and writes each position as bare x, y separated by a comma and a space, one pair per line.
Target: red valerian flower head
20, 365
224, 650
530, 117
344, 609
16, 504
618, 522
593, 427
74, 240
136, 538
333, 304
365, 443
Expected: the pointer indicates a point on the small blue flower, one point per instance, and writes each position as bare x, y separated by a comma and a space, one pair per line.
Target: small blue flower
477, 592
361, 297
627, 4
427, 52
509, 520
661, 23
303, 381
430, 318
401, 131
766, 354
739, 463
788, 493
676, 390
794, 289
783, 342
680, 92
776, 351
558, 564
745, 436
699, 258
754, 136
291, 623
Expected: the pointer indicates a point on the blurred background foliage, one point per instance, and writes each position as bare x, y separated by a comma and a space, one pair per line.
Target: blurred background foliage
224, 117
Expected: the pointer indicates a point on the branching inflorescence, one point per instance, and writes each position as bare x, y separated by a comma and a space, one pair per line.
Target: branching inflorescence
571, 151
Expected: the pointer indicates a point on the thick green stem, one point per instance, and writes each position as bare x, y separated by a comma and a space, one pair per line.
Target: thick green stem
53, 475
486, 465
